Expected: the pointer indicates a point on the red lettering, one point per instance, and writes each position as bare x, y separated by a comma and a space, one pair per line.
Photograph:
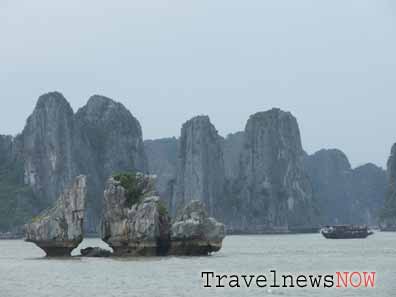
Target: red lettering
369, 279
342, 278
355, 276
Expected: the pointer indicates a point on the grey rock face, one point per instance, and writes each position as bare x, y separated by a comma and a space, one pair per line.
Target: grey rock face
233, 146
331, 176
275, 193
47, 147
57, 145
369, 191
17, 201
200, 171
140, 230
6, 142
162, 161
113, 134
345, 195
110, 140
388, 214
60, 230
195, 233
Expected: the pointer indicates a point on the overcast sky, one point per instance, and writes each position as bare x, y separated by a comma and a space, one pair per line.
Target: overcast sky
331, 63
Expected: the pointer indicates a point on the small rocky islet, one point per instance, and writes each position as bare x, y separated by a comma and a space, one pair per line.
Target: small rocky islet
135, 222
59, 230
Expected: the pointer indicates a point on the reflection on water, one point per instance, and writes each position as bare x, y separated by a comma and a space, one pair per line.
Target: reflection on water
25, 272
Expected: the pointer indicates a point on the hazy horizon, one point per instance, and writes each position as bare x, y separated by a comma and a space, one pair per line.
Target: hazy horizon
331, 64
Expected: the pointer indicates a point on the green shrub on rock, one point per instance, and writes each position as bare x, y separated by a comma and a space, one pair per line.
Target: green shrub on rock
134, 190
137, 185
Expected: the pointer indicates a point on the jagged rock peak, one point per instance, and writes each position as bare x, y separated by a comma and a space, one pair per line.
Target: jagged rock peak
276, 118
333, 157
103, 112
53, 101
274, 128
392, 160
202, 119
273, 112
103, 103
114, 132
273, 115
101, 100
369, 166
50, 109
198, 123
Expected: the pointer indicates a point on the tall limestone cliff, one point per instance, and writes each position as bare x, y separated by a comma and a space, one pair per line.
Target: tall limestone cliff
253, 180
232, 147
109, 141
345, 195
47, 146
17, 201
6, 143
369, 188
57, 145
388, 213
162, 161
39, 161
331, 174
200, 169
113, 134
275, 193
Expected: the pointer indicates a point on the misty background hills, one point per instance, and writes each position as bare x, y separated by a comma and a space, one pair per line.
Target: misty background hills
257, 180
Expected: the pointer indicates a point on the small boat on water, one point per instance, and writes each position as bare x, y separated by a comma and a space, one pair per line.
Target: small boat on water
346, 232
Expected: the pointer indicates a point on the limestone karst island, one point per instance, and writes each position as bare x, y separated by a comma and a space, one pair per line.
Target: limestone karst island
73, 175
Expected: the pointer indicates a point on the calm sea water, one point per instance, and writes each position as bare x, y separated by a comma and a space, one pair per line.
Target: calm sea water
24, 271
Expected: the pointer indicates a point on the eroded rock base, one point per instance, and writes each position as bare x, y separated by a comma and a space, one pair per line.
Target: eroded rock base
193, 248
141, 249
57, 250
